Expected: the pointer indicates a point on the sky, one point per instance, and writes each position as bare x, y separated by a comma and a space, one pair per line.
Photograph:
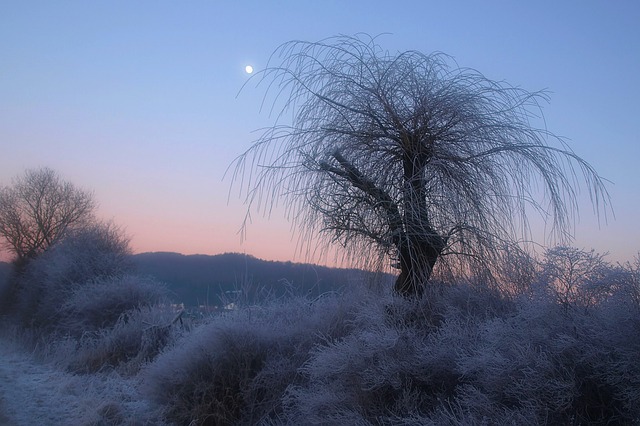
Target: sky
139, 101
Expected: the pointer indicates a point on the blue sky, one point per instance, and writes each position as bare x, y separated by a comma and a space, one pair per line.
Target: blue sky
137, 100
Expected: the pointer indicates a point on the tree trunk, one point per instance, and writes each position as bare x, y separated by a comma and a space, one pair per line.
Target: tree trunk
421, 245
418, 256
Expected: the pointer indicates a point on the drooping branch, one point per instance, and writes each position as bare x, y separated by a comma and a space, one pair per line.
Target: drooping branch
380, 197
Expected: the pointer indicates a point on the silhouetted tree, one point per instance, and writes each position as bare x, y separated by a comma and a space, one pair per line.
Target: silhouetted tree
407, 157
37, 211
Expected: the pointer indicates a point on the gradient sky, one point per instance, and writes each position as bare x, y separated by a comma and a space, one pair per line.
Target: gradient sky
136, 100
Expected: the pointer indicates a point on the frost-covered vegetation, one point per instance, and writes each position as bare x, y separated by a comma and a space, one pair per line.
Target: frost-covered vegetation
81, 303
556, 342
464, 354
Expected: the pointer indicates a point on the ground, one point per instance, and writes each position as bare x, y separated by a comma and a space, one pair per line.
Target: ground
33, 392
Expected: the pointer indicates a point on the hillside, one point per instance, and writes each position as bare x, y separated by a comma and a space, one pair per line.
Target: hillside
217, 280
221, 279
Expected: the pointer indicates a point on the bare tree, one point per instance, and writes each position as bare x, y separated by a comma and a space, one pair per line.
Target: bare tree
576, 276
37, 211
406, 157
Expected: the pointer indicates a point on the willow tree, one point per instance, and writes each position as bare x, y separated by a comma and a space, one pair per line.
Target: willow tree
404, 156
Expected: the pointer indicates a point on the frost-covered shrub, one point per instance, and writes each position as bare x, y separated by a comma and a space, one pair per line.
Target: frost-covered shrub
82, 307
555, 364
614, 345
399, 363
473, 300
511, 371
235, 368
533, 362
86, 254
136, 338
101, 302
377, 374
442, 301
473, 407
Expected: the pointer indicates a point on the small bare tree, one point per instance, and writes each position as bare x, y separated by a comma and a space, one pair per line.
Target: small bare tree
37, 211
404, 156
574, 275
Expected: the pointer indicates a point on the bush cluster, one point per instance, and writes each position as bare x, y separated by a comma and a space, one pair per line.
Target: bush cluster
136, 338
81, 303
236, 368
43, 285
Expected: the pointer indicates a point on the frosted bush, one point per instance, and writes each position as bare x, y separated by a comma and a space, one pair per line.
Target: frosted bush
135, 339
516, 373
614, 346
101, 302
234, 369
100, 250
382, 372
473, 407
533, 363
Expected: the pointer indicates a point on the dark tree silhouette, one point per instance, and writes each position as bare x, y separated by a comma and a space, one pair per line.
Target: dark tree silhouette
37, 211
406, 157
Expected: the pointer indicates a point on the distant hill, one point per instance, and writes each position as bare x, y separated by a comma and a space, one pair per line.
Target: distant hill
220, 279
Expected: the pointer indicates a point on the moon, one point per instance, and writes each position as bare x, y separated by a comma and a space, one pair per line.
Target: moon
248, 69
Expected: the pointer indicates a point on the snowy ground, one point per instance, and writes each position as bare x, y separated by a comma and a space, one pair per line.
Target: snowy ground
32, 393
